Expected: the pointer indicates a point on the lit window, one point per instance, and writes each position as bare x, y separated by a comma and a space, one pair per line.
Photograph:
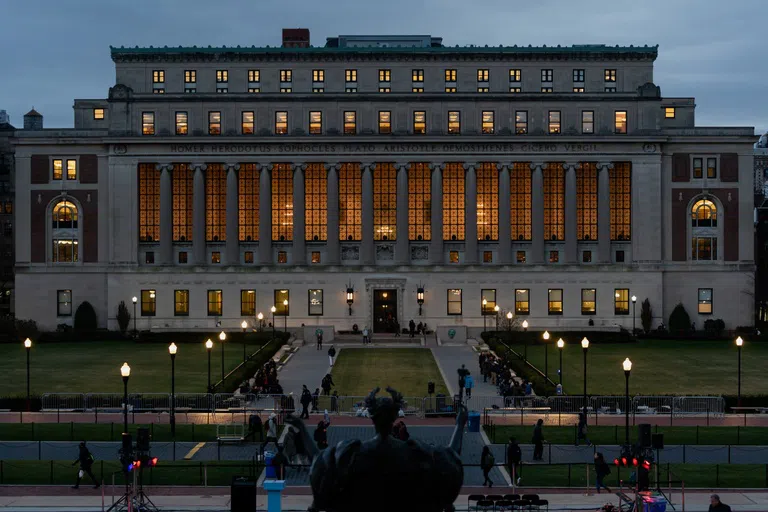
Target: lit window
450, 75
281, 123
487, 256
182, 123
711, 168
546, 75
669, 112
450, 89
454, 122
453, 256
316, 202
522, 302
248, 204
547, 89
58, 169
621, 301
190, 76
282, 257
181, 302
148, 302
704, 214
248, 257
247, 123
350, 123
215, 305
254, 89
454, 302
350, 75
698, 168
578, 75
147, 123
286, 89
488, 124
515, 89
64, 303
315, 257
588, 301
578, 89
350, 202
349, 89
482, 75
71, 169
315, 123
318, 89
419, 202
98, 114
286, 75
586, 202
620, 190
282, 202
182, 177
554, 122
214, 123
515, 75
254, 75
384, 201
554, 256
454, 199
521, 122
247, 302
705, 301
215, 205
149, 203
555, 301
483, 89
587, 122
520, 256
704, 248
385, 89
65, 233
417, 75
610, 89
315, 306
554, 201
385, 121
487, 199
385, 75
158, 77
610, 75
318, 75
222, 76
620, 121
281, 298
417, 89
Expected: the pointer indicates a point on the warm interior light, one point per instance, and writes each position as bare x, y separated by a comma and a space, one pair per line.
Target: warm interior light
125, 370
739, 341
627, 364
222, 336
209, 344
172, 348
585, 343
545, 335
27, 343
560, 343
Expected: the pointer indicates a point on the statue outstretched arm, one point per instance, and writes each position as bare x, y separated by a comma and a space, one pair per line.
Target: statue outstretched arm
309, 443
458, 431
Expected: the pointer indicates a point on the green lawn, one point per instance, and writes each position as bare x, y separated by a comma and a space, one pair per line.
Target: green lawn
66, 431
94, 367
658, 367
358, 370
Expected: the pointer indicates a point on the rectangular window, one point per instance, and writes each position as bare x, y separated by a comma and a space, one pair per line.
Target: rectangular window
669, 112
282, 202
58, 169
215, 305
286, 75
190, 76
281, 123
547, 89
181, 302
587, 122
454, 122
254, 75
586, 202
588, 301
621, 301
578, 89
450, 75
350, 123
521, 122
704, 248
64, 251
698, 168
578, 75
149, 203
487, 256
520, 256
620, 187
216, 257
248, 257
385, 89
71, 169
554, 256
450, 89
454, 302
350, 202
705, 301
483, 89
417, 75
520, 201
98, 114
315, 257
247, 302
147, 123
482, 75
148, 303
384, 202
282, 303
315, 123
620, 121
711, 168
222, 76
419, 202
554, 122
282, 257
318, 75
182, 178
420, 122
215, 203
149, 257
453, 256
248, 203
247, 123
286, 89
183, 257
487, 179
610, 89
515, 75
385, 121
522, 302
515, 89
350, 75
488, 122
586, 257
554, 202
610, 75
453, 201
315, 305
182, 123
555, 301
214, 123
546, 75
316, 202
158, 77
64, 303
619, 256
352, 89
487, 301
385, 75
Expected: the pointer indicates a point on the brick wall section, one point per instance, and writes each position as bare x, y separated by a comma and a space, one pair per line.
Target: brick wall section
681, 167
40, 169
89, 169
681, 217
89, 245
729, 167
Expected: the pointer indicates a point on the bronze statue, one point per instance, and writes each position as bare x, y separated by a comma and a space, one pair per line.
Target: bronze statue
384, 473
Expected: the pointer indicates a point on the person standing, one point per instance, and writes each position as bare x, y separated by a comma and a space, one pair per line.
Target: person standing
85, 459
469, 383
319, 336
581, 430
715, 505
365, 335
397, 329
321, 435
486, 464
538, 440
514, 458
331, 355
315, 398
412, 327
602, 469
271, 429
305, 400
463, 372
327, 383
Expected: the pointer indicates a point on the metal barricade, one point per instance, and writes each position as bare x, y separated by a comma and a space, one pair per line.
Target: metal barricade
479, 403
193, 402
438, 405
610, 404
648, 405
413, 406
698, 405
567, 404
70, 402
106, 402
150, 402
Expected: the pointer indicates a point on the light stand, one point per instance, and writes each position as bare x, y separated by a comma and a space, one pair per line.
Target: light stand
739, 343
585, 347
134, 300
222, 338
28, 347
208, 347
546, 357
274, 309
496, 315
125, 371
525, 330
485, 303
172, 350
627, 364
285, 315
560, 346
634, 313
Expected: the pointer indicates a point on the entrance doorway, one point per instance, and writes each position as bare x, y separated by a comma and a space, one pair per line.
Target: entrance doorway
384, 310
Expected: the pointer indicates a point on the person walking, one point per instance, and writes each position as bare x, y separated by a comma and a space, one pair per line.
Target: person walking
602, 469
469, 383
331, 355
271, 428
327, 383
321, 435
514, 458
85, 459
319, 337
463, 372
581, 429
486, 464
538, 440
397, 329
366, 340
715, 505
305, 400
315, 398
412, 327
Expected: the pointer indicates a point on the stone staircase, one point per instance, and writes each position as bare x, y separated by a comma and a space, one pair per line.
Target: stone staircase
378, 339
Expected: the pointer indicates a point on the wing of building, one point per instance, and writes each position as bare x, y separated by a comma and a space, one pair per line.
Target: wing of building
379, 179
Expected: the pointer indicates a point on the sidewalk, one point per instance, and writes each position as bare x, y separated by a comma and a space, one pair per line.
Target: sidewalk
307, 366
450, 359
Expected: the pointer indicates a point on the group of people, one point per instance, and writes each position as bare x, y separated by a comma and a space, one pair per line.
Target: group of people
264, 382
499, 372
414, 329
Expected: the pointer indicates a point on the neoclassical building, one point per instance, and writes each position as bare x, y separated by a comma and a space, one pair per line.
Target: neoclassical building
382, 178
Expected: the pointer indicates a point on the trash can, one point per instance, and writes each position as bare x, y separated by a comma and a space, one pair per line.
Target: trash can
474, 421
271, 470
243, 494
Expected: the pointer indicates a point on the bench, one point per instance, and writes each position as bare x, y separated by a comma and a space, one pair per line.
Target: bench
230, 433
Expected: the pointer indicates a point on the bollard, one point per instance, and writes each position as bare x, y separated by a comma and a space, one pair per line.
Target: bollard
274, 494
588, 491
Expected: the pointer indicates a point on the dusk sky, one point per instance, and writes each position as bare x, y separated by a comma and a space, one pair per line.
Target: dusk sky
57, 50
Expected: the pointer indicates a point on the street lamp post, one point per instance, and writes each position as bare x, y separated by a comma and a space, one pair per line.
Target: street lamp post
28, 346
546, 356
208, 347
260, 316
125, 371
244, 325
585, 347
134, 300
739, 343
485, 304
285, 315
172, 348
525, 330
274, 310
222, 338
509, 326
627, 364
634, 313
560, 345
496, 309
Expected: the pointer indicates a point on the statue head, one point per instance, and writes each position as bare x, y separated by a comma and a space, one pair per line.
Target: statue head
384, 410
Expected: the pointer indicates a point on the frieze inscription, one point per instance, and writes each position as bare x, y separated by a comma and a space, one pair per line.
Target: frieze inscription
393, 149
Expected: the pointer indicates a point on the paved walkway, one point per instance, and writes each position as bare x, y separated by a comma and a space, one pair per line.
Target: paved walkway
306, 366
450, 359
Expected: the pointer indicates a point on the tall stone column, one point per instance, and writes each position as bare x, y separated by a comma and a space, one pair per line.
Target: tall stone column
537, 213
604, 212
166, 215
436, 256
505, 221
299, 253
265, 215
571, 225
367, 254
198, 214
402, 254
332, 245
470, 213
233, 233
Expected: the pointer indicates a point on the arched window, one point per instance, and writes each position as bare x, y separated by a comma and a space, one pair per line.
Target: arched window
65, 234
704, 214
704, 232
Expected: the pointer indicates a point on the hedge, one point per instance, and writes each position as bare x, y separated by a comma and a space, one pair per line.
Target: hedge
521, 369
534, 337
178, 337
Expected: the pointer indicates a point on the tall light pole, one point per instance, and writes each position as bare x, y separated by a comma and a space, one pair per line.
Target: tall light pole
634, 313
560, 345
525, 330
244, 325
485, 304
28, 346
509, 326
546, 356
285, 315
496, 309
585, 347
274, 310
739, 343
125, 371
627, 364
208, 347
222, 338
172, 348
260, 316
134, 300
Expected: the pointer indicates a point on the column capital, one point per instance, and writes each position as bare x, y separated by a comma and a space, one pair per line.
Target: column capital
198, 166
402, 166
164, 167
333, 166
436, 166
605, 165
232, 167
470, 165
299, 167
366, 165
537, 165
505, 165
571, 165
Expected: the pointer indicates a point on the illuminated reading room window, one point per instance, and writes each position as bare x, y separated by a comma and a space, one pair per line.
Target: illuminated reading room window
182, 123
454, 122
384, 202
385, 122
281, 123
147, 123
419, 202
181, 184
247, 123
248, 203
420, 122
316, 202
350, 123
350, 202
620, 185
98, 114
554, 201
487, 202
554, 122
215, 203
586, 202
149, 203
520, 201
214, 123
453, 201
669, 112
282, 202
588, 301
488, 123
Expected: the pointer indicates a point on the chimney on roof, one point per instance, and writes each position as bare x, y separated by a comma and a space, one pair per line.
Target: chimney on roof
4, 119
33, 120
295, 38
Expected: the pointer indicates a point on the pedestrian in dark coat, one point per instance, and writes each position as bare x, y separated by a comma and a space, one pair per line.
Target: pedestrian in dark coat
319, 337
715, 505
412, 327
315, 398
514, 459
581, 430
331, 355
538, 440
305, 400
85, 459
486, 464
463, 372
602, 469
321, 435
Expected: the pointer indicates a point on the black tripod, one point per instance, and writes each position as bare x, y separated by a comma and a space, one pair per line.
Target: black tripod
135, 499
